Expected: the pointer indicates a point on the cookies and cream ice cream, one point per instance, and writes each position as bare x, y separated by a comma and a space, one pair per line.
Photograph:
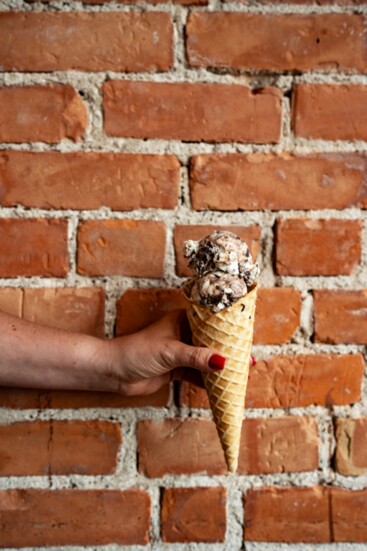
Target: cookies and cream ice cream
223, 270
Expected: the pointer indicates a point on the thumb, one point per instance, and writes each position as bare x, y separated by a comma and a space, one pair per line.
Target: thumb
204, 359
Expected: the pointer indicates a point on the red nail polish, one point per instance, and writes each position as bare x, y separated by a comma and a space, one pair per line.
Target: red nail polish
217, 362
253, 361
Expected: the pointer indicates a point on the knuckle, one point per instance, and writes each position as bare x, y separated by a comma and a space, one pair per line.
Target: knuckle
196, 357
168, 354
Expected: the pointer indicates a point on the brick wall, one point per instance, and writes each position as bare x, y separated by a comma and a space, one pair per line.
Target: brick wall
126, 129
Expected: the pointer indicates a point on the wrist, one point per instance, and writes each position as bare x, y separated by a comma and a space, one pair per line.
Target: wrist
99, 365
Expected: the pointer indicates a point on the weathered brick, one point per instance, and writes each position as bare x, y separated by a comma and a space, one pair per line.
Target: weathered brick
287, 515
11, 300
286, 444
330, 112
277, 182
74, 517
295, 381
121, 247
193, 514
304, 380
285, 42
277, 311
59, 448
135, 41
138, 308
277, 315
191, 111
317, 247
88, 180
80, 310
22, 398
310, 2
196, 439
181, 2
318, 514
41, 114
33, 246
250, 234
138, 2
340, 316
351, 446
349, 512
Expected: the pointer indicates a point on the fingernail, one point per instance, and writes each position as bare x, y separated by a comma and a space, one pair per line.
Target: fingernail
253, 361
216, 362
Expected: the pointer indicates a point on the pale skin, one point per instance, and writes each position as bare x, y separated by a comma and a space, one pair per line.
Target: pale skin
34, 356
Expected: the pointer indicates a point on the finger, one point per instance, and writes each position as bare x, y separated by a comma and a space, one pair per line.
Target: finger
201, 358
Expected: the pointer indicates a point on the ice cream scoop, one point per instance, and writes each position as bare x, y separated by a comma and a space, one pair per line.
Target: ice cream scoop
217, 290
223, 269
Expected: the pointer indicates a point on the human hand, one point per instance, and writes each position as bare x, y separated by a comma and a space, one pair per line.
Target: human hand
143, 362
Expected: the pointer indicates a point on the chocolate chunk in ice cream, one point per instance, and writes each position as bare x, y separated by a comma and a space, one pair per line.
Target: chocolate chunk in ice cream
218, 290
224, 251
223, 269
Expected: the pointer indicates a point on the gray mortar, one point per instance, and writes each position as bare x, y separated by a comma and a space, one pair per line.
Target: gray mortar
126, 474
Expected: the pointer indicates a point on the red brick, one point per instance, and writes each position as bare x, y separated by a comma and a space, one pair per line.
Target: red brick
41, 114
193, 514
286, 42
349, 509
121, 247
135, 41
191, 111
74, 517
138, 2
21, 398
59, 448
310, 515
304, 380
286, 444
192, 396
178, 446
330, 112
317, 247
287, 515
340, 316
310, 2
277, 182
277, 311
250, 234
138, 308
31, 247
88, 180
78, 310
277, 315
11, 300
295, 381
351, 448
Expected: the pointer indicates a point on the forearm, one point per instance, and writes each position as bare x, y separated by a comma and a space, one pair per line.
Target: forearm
34, 356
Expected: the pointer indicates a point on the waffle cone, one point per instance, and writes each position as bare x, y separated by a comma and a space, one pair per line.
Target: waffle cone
230, 332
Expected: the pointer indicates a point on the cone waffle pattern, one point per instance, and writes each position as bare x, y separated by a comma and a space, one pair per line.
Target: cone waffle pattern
230, 332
